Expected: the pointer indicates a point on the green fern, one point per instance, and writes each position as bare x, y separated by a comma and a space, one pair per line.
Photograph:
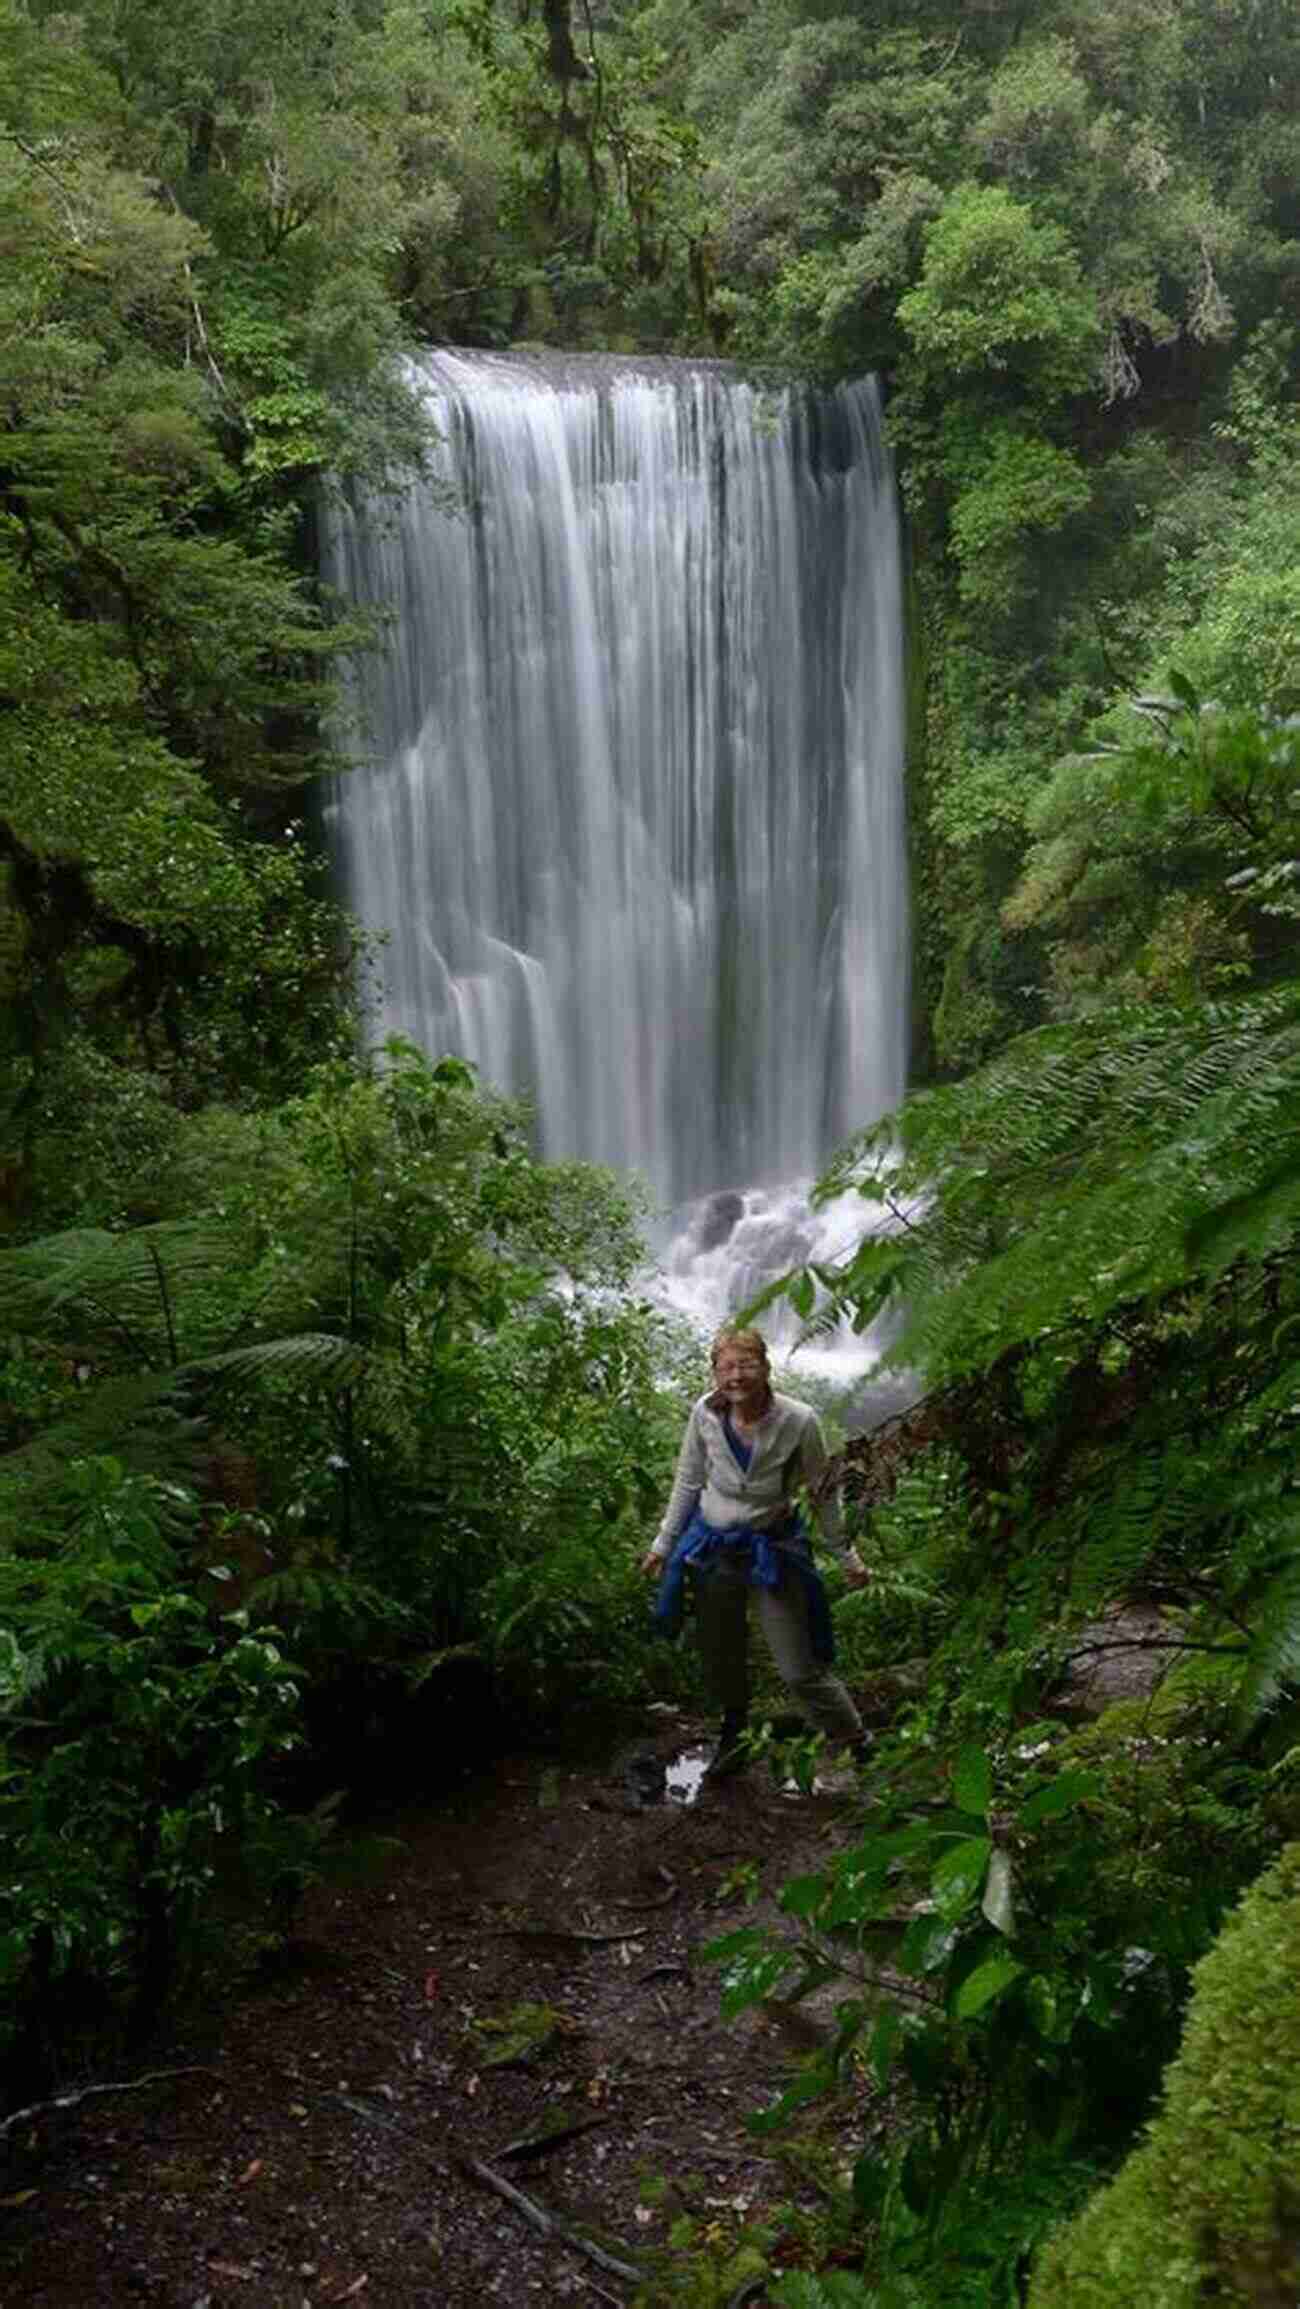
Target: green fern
143, 1306
1095, 1280
315, 1356
836, 2289
1091, 1167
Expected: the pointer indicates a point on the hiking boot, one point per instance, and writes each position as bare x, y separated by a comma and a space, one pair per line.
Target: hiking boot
729, 1757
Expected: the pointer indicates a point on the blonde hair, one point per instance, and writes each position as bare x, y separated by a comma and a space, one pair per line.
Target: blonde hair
754, 1340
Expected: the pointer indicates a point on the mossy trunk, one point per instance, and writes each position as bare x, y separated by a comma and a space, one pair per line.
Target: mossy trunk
1208, 2209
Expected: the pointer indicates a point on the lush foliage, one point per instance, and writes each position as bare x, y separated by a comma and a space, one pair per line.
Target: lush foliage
319, 1389
1088, 1248
134, 1717
376, 1400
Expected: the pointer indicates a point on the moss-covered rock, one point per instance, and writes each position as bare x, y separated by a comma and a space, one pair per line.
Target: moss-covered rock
1208, 2209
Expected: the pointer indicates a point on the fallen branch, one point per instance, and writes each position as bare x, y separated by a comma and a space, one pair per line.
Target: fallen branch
86, 2092
540, 2144
546, 2223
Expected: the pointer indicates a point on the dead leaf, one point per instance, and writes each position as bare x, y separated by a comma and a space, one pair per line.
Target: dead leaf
471, 2086
249, 2173
227, 2269
297, 2109
24, 2197
432, 1987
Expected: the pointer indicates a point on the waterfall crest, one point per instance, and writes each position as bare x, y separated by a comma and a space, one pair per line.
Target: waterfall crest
631, 811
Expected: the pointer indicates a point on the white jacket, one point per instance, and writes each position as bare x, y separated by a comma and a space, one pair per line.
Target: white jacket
789, 1451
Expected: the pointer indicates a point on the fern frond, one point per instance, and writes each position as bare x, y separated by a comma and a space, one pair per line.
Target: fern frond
132, 1420
315, 1356
1273, 1660
1091, 1166
127, 1286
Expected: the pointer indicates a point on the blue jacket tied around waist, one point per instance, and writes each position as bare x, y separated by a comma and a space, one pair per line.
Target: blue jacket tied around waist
770, 1558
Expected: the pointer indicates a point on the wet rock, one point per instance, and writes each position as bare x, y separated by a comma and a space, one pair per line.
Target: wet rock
1118, 1657
768, 1245
720, 1215
643, 1775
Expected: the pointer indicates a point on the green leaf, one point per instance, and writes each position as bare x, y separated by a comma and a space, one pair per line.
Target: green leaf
802, 1294
1051, 2005
958, 1876
972, 1782
884, 2037
808, 2084
803, 1895
1059, 1796
927, 1943
752, 1967
985, 1984
752, 1978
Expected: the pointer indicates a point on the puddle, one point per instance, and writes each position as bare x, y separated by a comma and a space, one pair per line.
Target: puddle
685, 1775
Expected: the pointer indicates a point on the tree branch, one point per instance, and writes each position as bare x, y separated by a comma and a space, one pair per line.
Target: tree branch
87, 2092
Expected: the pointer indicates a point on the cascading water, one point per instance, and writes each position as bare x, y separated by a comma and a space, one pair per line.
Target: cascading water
631, 815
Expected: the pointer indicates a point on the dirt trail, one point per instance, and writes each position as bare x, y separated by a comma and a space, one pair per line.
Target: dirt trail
320, 2148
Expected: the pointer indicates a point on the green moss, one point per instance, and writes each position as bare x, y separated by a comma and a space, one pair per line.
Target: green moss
1208, 2209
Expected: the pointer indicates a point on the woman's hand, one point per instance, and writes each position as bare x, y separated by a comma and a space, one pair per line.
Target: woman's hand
855, 1570
651, 1564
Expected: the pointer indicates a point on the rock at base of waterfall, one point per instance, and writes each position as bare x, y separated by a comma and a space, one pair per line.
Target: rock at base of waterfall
716, 1221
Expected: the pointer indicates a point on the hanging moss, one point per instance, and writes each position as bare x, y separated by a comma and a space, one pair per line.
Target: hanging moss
1209, 2208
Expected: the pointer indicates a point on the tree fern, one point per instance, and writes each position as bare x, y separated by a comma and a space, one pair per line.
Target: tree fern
306, 1356
144, 1306
133, 1419
129, 1289
1091, 1167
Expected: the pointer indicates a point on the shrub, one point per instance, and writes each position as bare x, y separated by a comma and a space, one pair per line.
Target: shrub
134, 1725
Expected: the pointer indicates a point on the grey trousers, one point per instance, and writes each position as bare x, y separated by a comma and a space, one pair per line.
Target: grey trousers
723, 1595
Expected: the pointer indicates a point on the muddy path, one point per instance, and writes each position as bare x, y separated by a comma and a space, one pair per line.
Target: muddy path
349, 2127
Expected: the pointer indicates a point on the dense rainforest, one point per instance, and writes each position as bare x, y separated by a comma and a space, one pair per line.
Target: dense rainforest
323, 1396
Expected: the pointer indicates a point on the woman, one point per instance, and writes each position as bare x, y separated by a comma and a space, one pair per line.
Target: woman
732, 1523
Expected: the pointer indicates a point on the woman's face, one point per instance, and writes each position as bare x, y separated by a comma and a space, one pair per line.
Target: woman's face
741, 1374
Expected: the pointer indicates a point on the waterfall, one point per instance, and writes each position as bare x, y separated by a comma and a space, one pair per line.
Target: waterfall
630, 804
